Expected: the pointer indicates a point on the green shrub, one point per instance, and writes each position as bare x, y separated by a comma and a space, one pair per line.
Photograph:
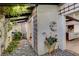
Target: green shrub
51, 40
17, 36
12, 46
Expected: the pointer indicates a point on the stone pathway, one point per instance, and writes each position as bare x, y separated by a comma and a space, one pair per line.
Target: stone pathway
25, 50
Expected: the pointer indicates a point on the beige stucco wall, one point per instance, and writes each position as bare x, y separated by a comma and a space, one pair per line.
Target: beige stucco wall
8, 38
9, 34
30, 31
26, 28
62, 24
2, 20
45, 15
17, 27
76, 28
30, 27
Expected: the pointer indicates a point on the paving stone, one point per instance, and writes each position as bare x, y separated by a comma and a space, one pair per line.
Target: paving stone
25, 50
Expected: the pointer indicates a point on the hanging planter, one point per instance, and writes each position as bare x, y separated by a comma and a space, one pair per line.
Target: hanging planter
50, 43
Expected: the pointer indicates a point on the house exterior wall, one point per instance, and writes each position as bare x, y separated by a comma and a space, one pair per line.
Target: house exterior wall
75, 15
30, 31
76, 28
72, 23
26, 28
45, 15
17, 27
62, 23
8, 39
23, 29
69, 10
2, 32
9, 34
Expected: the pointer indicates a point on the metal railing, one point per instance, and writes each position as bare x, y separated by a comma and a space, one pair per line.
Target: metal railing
68, 8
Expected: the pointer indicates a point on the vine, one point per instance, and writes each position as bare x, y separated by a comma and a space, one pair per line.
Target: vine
14, 10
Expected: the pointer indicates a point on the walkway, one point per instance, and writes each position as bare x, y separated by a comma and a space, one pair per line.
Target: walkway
25, 50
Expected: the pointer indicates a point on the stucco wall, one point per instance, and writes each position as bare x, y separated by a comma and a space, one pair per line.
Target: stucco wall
26, 28
29, 31
45, 15
2, 32
76, 28
72, 23
9, 34
8, 39
62, 24
30, 27
17, 27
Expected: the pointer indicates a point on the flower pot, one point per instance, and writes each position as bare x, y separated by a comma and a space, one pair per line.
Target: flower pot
50, 48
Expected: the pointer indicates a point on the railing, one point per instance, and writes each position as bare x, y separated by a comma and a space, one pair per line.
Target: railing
68, 8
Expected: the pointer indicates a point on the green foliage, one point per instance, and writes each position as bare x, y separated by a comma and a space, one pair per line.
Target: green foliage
11, 24
51, 40
12, 46
17, 36
14, 10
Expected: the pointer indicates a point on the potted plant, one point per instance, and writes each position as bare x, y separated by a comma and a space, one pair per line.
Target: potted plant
50, 43
17, 35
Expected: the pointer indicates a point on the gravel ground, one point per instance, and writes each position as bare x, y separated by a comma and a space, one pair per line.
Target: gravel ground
25, 50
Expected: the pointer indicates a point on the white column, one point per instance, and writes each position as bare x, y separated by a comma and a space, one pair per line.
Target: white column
62, 32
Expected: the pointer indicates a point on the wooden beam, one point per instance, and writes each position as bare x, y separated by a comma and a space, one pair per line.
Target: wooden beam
21, 17
68, 8
71, 19
24, 14
21, 21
